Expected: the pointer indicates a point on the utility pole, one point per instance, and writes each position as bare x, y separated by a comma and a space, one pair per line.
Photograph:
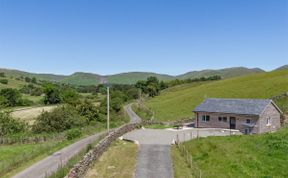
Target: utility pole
108, 110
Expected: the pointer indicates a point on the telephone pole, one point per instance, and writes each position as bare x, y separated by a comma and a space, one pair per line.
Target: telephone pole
108, 110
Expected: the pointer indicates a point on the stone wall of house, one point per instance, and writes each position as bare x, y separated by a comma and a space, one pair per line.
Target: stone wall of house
275, 116
215, 123
80, 169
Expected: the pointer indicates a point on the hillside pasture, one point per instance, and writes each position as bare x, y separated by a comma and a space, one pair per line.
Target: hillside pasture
177, 103
237, 156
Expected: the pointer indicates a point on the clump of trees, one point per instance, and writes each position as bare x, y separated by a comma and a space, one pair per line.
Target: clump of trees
32, 90
55, 94
152, 86
11, 97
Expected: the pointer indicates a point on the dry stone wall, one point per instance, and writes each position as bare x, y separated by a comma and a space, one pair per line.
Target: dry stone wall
80, 169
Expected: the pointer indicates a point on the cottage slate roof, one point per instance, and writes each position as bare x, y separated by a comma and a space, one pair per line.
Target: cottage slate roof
235, 106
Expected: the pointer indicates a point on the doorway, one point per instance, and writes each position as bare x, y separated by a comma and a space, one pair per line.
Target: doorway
232, 123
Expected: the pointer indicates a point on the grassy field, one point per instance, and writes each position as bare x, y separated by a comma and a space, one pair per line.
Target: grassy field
178, 103
237, 156
119, 162
12, 83
30, 114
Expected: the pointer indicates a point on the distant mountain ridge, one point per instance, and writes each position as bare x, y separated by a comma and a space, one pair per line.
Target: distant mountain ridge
82, 78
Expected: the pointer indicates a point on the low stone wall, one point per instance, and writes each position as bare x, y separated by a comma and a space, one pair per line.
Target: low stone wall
80, 169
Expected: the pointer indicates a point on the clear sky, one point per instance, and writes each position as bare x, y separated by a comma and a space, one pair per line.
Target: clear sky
164, 36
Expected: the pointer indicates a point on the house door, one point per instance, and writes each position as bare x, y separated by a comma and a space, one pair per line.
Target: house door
232, 123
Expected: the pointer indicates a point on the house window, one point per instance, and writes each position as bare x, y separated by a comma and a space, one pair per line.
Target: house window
224, 119
268, 122
205, 118
220, 119
248, 121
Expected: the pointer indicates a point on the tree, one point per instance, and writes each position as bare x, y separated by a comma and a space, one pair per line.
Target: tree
27, 79
69, 96
2, 74
52, 94
34, 80
12, 97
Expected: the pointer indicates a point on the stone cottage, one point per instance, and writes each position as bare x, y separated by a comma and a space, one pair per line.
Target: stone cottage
250, 116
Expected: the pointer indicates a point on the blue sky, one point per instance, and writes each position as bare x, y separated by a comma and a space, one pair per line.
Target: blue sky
164, 36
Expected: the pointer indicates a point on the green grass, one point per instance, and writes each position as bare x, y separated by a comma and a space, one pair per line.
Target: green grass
180, 167
157, 126
178, 103
141, 111
36, 99
237, 156
22, 155
119, 161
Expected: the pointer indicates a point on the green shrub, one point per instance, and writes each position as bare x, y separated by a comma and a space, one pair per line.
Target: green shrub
4, 81
73, 133
8, 125
60, 119
88, 110
12, 97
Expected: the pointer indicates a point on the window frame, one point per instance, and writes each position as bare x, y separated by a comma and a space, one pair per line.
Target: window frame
205, 118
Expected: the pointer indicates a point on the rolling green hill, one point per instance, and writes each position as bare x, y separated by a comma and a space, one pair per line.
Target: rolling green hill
224, 73
81, 78
178, 103
282, 67
133, 77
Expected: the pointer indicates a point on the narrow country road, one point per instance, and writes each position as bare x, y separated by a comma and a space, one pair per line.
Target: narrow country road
134, 118
51, 163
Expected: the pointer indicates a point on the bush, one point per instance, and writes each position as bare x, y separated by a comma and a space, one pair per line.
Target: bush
2, 74
4, 81
88, 110
8, 125
52, 94
12, 97
73, 133
60, 119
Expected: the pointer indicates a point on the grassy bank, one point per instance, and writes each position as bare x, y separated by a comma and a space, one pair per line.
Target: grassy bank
177, 103
119, 161
237, 156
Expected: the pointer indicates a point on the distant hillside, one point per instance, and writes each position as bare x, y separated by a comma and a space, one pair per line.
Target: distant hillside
133, 77
224, 73
81, 78
282, 67
18, 73
178, 102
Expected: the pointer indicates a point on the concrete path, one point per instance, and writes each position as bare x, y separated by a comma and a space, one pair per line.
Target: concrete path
154, 159
51, 163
